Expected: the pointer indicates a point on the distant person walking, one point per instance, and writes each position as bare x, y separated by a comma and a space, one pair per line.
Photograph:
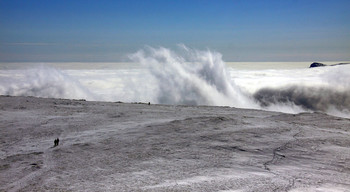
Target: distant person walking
56, 142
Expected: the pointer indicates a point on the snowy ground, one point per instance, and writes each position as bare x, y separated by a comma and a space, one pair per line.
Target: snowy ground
139, 147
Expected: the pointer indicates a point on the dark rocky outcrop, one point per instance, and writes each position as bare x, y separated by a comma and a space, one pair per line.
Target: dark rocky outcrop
317, 64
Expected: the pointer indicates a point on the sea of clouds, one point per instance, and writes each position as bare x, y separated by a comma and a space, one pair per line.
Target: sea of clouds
186, 76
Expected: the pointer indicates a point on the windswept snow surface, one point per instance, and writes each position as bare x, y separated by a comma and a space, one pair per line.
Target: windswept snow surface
140, 147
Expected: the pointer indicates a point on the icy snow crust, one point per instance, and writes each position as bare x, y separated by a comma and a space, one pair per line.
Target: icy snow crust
139, 147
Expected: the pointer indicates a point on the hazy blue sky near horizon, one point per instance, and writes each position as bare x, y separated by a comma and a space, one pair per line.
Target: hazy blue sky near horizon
241, 30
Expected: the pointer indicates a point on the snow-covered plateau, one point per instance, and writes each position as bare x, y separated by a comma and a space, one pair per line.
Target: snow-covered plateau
107, 146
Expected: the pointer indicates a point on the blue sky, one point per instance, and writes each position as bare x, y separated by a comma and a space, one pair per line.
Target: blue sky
106, 31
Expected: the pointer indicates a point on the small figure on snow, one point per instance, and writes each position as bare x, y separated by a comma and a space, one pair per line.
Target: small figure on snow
56, 142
